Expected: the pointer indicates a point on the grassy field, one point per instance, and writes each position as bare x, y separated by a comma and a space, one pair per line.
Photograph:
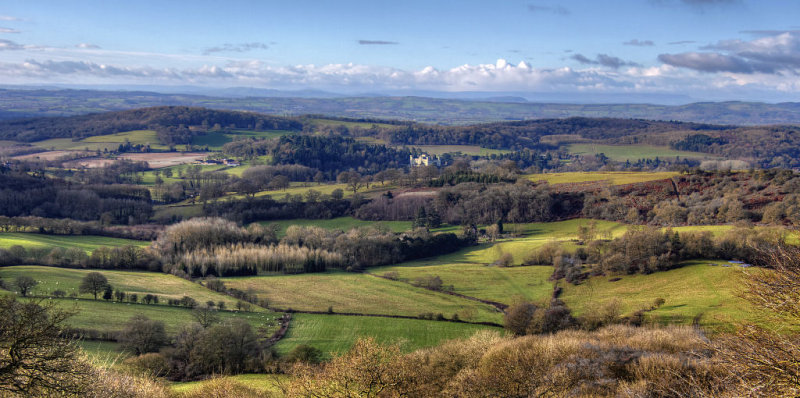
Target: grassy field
112, 316
103, 353
112, 141
140, 283
348, 124
500, 284
215, 140
695, 289
342, 223
85, 242
613, 177
621, 153
532, 236
337, 333
359, 293
264, 383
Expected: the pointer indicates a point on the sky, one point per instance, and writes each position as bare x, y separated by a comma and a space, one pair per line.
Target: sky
700, 49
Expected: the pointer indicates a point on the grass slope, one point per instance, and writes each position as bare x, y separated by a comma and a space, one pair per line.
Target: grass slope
695, 289
112, 316
358, 293
613, 177
85, 242
267, 384
140, 283
621, 153
337, 333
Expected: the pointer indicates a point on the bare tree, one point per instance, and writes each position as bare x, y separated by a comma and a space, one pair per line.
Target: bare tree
765, 361
34, 358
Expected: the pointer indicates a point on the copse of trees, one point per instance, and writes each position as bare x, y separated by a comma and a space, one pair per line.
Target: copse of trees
646, 250
94, 283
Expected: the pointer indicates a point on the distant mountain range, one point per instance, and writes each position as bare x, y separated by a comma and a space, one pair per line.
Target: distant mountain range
467, 109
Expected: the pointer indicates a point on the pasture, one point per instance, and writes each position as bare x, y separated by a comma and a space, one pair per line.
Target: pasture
358, 293
109, 317
86, 242
613, 177
622, 153
140, 283
267, 384
214, 140
696, 289
335, 334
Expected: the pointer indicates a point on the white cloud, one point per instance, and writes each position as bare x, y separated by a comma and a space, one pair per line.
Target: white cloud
9, 18
8, 30
87, 46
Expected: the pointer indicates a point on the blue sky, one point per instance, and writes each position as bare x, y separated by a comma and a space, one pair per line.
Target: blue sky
704, 49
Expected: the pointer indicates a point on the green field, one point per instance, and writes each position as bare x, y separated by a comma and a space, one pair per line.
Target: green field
500, 284
112, 316
695, 289
621, 153
164, 285
215, 140
267, 384
108, 141
103, 353
613, 177
337, 333
333, 123
85, 242
358, 293
532, 236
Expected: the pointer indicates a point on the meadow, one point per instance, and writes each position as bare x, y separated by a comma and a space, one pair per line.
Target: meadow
701, 288
359, 293
110, 317
613, 177
85, 242
267, 384
141, 283
622, 153
216, 139
334, 334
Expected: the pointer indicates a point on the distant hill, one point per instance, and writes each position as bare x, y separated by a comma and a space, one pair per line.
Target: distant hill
41, 102
172, 123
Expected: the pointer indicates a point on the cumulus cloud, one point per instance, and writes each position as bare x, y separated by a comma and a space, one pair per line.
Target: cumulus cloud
770, 54
87, 46
639, 43
236, 48
8, 30
376, 42
604, 60
558, 10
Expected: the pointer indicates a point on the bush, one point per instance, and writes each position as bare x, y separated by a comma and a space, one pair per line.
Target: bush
142, 335
153, 364
304, 353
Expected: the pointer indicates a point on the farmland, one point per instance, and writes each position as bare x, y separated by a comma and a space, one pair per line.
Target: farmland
613, 177
140, 283
334, 334
358, 293
41, 241
109, 317
622, 153
701, 288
